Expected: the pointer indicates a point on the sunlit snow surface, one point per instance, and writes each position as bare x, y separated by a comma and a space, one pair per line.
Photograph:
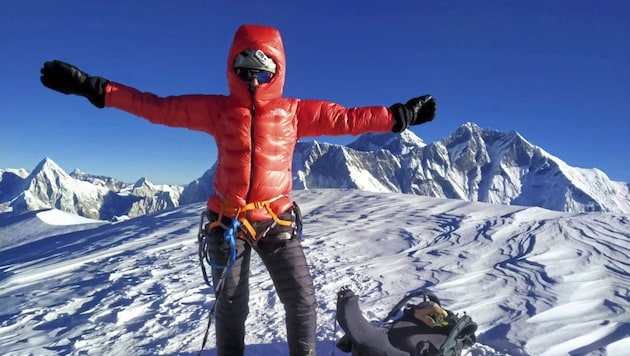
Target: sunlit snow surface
538, 282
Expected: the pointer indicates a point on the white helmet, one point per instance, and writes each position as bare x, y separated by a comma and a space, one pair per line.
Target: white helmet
255, 59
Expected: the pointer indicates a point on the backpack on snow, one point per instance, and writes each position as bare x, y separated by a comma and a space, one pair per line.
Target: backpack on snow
406, 335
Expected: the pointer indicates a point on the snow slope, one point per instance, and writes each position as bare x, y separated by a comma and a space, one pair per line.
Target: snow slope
538, 282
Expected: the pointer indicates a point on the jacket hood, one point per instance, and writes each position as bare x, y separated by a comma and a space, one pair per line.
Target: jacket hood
268, 40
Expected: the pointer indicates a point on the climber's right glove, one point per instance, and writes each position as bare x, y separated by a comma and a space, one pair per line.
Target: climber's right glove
414, 112
68, 79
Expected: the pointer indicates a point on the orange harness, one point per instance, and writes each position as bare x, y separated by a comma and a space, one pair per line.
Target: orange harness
239, 213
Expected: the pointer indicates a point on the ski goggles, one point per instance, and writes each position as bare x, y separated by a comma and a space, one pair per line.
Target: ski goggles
247, 74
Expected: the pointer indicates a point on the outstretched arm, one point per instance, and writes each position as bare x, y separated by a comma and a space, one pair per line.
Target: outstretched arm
189, 111
316, 118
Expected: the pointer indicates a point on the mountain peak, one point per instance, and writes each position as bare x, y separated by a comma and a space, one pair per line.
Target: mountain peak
470, 126
48, 167
468, 129
491, 137
47, 163
142, 182
396, 143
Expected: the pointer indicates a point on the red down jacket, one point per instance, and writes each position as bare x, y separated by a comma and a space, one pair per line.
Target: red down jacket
255, 136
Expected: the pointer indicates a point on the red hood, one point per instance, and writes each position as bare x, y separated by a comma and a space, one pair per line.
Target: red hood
268, 40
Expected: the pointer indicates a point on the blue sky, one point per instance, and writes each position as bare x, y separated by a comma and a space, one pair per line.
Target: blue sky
558, 72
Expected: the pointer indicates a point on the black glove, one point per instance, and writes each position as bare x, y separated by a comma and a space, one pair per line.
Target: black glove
414, 112
68, 79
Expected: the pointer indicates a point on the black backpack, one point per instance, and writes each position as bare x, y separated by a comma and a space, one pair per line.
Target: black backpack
456, 332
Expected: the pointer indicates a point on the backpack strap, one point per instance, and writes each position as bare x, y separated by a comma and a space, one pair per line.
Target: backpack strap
399, 308
462, 335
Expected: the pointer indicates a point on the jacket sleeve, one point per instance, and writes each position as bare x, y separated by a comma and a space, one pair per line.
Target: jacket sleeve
194, 112
317, 118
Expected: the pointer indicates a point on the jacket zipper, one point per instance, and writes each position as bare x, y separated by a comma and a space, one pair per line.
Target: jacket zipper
252, 151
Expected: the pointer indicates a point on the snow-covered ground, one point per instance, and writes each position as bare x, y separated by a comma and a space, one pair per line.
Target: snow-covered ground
537, 282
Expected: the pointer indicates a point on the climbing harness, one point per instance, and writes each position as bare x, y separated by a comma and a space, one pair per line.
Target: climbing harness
249, 234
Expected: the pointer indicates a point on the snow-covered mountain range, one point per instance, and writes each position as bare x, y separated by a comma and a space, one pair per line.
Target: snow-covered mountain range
95, 197
473, 164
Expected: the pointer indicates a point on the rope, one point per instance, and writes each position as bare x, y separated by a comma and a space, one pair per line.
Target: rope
203, 249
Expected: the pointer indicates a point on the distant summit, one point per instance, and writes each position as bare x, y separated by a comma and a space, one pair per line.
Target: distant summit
109, 182
399, 144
